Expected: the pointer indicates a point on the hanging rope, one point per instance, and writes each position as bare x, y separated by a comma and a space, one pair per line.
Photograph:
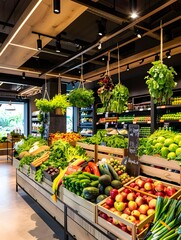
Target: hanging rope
46, 90
119, 71
59, 84
161, 42
82, 71
107, 68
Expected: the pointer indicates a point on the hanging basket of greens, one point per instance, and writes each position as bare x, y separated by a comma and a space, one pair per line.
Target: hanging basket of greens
43, 105
119, 98
81, 97
160, 82
60, 102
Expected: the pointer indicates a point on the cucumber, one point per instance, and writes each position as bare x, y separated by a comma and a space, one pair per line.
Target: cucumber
94, 183
83, 176
91, 176
113, 172
104, 169
90, 193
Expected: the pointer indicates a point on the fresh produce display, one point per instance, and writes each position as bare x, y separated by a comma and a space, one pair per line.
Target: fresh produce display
126, 119
97, 138
129, 205
171, 116
137, 119
165, 143
145, 132
153, 187
167, 220
175, 100
68, 137
38, 161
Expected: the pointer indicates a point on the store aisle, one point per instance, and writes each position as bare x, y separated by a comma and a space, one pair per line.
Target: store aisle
21, 218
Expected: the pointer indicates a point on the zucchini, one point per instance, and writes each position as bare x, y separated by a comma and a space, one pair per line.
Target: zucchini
90, 193
113, 172
91, 176
103, 168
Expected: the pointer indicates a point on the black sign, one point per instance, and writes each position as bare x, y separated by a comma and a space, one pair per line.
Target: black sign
133, 165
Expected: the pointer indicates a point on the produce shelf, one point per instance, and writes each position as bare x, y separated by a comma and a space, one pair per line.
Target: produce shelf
168, 106
170, 121
86, 116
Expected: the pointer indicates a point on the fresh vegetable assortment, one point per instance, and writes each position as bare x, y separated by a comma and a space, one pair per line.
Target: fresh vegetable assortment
68, 137
167, 221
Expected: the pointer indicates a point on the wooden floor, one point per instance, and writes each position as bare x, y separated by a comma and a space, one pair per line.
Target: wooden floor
21, 218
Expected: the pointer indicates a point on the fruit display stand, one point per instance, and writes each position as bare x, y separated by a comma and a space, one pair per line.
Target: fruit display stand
161, 168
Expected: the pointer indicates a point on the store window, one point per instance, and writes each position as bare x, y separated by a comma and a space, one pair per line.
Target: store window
12, 118
69, 119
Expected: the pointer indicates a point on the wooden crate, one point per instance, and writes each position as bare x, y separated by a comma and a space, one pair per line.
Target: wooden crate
175, 196
161, 168
82, 206
106, 152
116, 230
4, 145
90, 149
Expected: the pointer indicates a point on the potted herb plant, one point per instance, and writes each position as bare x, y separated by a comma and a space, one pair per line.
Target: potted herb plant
43, 105
160, 82
60, 103
81, 97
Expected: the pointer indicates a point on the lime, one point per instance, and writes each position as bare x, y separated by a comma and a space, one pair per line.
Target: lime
172, 147
177, 138
178, 151
161, 139
171, 156
168, 141
164, 152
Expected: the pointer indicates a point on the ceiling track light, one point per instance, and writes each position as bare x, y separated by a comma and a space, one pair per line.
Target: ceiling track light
39, 43
133, 8
138, 33
56, 6
168, 54
101, 29
23, 75
58, 46
99, 46
127, 68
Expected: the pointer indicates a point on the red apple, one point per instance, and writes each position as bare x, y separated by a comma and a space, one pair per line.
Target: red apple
110, 202
135, 213
138, 194
131, 218
137, 187
126, 190
109, 219
157, 182
131, 196
151, 192
142, 189
103, 215
127, 211
170, 191
115, 221
142, 217
140, 182
152, 203
159, 187
124, 228
106, 206
148, 186
113, 209
149, 180
148, 199
150, 212
124, 196
143, 209
117, 213
133, 184
132, 205
160, 194
139, 200
137, 222
113, 193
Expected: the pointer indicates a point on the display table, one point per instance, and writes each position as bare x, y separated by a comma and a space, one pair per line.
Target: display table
73, 223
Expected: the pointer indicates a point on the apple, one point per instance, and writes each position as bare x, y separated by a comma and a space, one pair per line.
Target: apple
148, 186
170, 191
150, 211
137, 222
142, 217
117, 213
157, 182
148, 199
121, 224
131, 218
142, 189
113, 193
110, 202
133, 184
120, 206
138, 194
127, 211
126, 190
132, 205
124, 196
159, 187
160, 194
109, 219
139, 201
115, 221
152, 203
106, 206
103, 215
137, 187
119, 198
124, 215
140, 182
143, 208
149, 180
124, 228
113, 209
131, 196
135, 213
151, 192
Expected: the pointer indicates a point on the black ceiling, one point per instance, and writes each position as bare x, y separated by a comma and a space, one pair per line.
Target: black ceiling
82, 34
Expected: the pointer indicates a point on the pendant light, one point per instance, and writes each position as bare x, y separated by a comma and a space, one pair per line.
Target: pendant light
39, 43
56, 6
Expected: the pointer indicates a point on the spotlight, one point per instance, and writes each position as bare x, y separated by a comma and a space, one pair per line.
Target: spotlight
99, 46
157, 58
23, 75
168, 54
127, 69
101, 29
138, 33
133, 7
58, 46
56, 6
39, 43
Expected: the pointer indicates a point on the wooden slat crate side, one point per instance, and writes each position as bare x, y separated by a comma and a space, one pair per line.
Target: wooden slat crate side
86, 146
15, 163
101, 155
90, 154
110, 150
160, 173
161, 162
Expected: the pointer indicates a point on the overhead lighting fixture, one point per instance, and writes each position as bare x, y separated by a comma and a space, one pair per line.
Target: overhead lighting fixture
1, 83
133, 8
127, 69
58, 46
99, 46
9, 107
23, 75
56, 6
168, 54
138, 33
101, 28
39, 43
157, 58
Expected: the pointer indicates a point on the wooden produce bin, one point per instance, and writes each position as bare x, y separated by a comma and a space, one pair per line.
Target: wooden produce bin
4, 145
86, 209
90, 149
107, 152
162, 168
118, 232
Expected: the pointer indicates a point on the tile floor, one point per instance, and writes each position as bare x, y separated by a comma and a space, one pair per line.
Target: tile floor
21, 218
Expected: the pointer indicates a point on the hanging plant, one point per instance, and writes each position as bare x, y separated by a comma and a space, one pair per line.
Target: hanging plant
81, 97
43, 105
160, 82
119, 98
60, 101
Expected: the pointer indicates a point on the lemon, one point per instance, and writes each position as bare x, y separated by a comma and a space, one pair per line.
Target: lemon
171, 156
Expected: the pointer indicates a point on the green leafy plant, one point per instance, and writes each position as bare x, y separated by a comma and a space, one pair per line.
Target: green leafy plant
119, 98
43, 105
160, 81
60, 101
81, 97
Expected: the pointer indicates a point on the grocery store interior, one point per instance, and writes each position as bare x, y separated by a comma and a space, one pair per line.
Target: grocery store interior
92, 87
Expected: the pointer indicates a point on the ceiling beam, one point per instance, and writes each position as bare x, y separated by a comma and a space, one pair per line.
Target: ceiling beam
108, 37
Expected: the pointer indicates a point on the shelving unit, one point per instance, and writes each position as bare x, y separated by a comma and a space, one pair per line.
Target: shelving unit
35, 124
87, 121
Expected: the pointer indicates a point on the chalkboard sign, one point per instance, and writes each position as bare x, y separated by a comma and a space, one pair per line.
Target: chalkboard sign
133, 165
